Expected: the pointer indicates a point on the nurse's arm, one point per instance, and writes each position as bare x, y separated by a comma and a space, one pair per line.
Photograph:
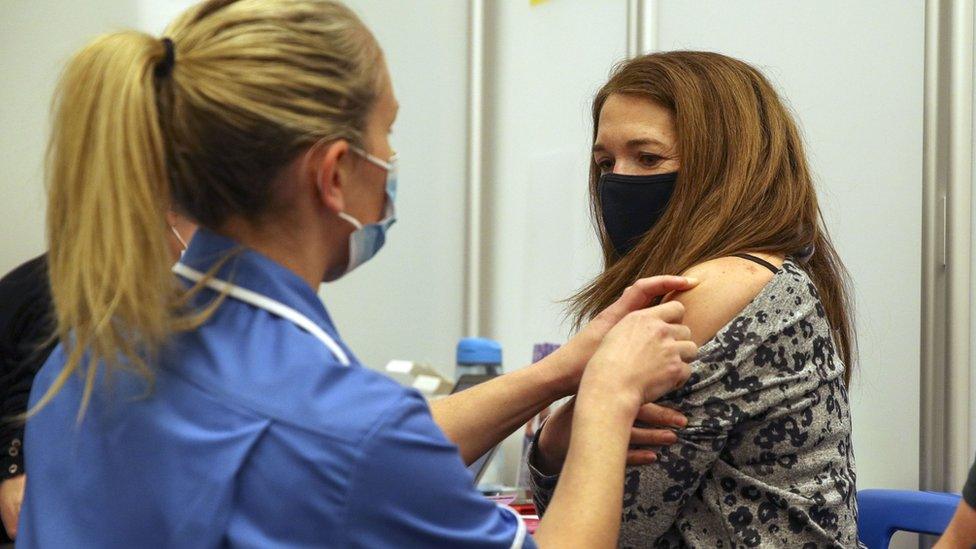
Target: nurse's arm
480, 417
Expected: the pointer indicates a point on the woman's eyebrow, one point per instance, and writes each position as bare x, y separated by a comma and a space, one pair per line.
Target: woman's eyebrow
631, 144
635, 143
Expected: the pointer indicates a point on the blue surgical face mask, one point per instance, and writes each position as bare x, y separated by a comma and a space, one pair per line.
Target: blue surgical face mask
366, 240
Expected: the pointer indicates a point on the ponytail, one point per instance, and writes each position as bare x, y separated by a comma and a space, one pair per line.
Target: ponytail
107, 196
254, 84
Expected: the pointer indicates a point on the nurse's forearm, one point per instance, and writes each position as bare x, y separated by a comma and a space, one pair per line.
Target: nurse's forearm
585, 509
480, 417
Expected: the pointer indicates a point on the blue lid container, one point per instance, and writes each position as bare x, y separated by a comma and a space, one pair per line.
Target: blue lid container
478, 350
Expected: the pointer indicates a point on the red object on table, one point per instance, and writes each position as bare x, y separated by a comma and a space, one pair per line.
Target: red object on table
529, 515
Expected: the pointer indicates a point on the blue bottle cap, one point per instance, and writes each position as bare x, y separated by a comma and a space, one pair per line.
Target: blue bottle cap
478, 350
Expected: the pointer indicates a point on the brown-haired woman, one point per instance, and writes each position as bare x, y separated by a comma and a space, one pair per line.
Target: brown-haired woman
699, 168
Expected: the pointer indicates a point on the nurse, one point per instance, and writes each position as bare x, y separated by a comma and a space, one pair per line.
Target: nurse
220, 406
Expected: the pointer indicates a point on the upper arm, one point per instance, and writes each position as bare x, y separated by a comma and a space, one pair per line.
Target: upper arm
412, 489
727, 285
961, 531
654, 494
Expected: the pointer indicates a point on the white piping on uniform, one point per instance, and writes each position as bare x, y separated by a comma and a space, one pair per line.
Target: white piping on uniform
520, 534
266, 303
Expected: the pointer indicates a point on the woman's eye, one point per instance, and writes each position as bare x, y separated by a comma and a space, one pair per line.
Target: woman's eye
605, 165
650, 160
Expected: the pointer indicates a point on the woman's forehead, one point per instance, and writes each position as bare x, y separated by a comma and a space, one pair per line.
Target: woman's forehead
625, 118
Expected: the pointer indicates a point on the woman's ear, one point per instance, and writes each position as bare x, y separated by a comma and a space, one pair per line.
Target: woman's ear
330, 173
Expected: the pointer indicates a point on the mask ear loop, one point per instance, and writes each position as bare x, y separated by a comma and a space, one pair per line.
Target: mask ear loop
375, 160
318, 180
178, 237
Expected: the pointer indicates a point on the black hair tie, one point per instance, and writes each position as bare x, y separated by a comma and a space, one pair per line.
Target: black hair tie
164, 67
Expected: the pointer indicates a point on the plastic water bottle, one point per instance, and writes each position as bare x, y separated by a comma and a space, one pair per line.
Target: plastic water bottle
482, 357
478, 356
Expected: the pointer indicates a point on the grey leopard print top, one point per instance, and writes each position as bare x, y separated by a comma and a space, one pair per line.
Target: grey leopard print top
766, 458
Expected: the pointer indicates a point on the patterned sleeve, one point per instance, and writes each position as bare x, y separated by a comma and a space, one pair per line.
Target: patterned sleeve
742, 375
749, 373
721, 392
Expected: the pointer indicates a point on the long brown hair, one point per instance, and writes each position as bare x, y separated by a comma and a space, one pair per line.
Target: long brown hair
743, 183
254, 84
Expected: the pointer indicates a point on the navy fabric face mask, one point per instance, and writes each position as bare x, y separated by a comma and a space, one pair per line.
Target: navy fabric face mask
632, 205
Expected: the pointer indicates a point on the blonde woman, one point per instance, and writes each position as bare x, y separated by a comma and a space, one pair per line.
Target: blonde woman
220, 407
698, 167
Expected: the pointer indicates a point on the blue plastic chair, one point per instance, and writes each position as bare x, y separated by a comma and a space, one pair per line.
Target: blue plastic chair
884, 512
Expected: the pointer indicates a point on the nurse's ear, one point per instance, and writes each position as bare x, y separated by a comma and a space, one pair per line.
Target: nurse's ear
329, 172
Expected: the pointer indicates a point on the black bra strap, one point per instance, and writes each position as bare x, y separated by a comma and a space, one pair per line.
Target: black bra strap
758, 260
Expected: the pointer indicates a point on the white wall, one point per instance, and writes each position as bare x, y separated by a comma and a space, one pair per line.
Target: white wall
36, 39
407, 303
544, 64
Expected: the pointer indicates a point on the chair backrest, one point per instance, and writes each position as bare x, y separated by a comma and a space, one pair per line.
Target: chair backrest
881, 513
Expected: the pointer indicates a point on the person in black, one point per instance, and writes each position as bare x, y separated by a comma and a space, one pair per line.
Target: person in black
961, 532
26, 326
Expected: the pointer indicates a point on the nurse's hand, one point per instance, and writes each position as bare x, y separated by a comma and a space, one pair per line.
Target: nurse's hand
11, 496
576, 353
641, 359
654, 427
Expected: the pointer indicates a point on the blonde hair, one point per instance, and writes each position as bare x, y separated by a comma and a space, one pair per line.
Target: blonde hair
254, 84
744, 184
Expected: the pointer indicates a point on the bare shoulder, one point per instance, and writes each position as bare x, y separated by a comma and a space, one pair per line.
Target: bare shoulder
728, 285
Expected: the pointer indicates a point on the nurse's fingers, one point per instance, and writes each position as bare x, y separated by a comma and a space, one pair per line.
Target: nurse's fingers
688, 351
671, 312
642, 293
680, 332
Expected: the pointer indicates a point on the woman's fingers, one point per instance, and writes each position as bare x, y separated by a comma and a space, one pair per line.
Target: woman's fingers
638, 456
652, 437
655, 415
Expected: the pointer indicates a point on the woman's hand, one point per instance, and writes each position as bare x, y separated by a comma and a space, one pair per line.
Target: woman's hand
572, 357
11, 496
654, 427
